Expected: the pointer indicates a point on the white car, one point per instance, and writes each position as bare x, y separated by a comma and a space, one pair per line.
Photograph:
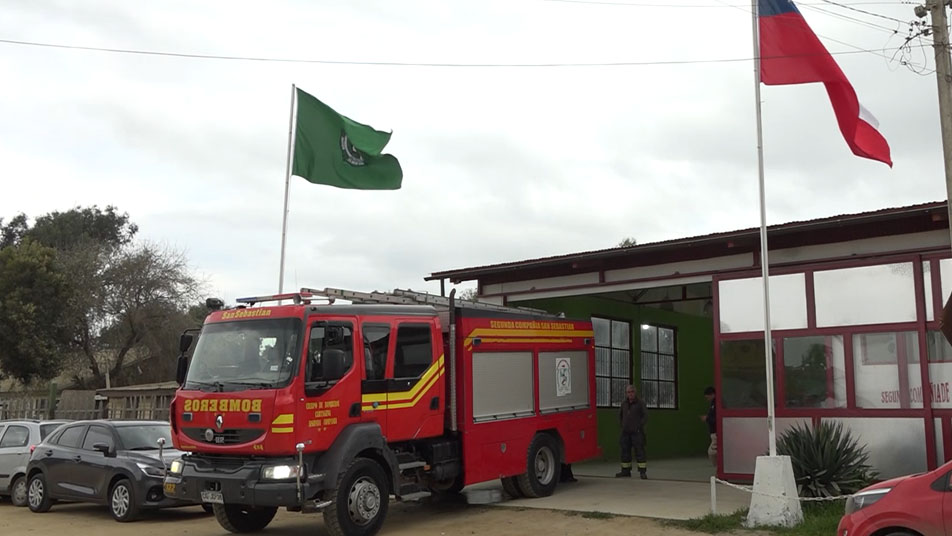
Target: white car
17, 441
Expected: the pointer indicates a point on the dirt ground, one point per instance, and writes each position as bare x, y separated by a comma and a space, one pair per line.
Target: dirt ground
404, 519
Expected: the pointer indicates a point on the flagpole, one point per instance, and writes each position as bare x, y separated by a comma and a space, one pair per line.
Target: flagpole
768, 342
287, 186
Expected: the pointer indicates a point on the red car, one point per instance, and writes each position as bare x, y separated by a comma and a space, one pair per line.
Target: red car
914, 505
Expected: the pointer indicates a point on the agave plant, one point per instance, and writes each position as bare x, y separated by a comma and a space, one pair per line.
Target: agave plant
827, 460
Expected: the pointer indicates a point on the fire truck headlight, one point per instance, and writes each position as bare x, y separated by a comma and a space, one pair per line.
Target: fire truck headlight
279, 472
176, 467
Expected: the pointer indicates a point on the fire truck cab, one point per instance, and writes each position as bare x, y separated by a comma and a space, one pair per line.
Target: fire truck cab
317, 406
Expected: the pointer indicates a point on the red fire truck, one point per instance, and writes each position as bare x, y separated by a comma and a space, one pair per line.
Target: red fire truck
320, 406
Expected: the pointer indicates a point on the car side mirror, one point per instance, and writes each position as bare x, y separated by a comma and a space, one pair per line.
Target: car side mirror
103, 448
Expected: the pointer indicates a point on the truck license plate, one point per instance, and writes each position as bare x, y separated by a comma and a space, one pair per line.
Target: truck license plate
212, 497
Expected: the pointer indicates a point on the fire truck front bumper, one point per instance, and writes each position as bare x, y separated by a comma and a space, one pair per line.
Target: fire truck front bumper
255, 483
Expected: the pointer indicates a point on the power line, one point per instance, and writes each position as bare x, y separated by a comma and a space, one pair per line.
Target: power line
870, 13
854, 20
402, 64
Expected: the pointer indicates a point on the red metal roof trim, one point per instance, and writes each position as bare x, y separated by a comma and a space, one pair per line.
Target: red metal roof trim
464, 274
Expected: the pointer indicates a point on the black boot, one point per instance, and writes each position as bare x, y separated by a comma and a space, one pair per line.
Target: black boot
624, 473
644, 474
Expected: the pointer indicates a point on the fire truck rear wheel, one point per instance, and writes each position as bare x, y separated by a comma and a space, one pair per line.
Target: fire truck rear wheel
542, 467
511, 487
360, 501
238, 518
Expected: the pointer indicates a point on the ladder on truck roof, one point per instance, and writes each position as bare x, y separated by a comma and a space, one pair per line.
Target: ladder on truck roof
411, 297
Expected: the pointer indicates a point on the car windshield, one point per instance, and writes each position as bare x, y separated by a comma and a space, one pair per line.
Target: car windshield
144, 436
246, 354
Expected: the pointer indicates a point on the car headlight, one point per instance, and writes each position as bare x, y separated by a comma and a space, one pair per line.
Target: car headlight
865, 498
176, 467
151, 470
279, 472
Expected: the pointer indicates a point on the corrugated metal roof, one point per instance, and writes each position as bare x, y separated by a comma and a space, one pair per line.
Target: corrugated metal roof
867, 218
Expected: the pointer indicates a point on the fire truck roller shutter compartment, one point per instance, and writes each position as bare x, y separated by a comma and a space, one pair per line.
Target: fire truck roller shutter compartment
502, 385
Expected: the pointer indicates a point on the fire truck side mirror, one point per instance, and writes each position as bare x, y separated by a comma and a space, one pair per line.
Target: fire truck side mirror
185, 341
181, 368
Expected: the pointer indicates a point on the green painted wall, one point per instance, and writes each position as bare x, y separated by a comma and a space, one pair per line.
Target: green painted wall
671, 433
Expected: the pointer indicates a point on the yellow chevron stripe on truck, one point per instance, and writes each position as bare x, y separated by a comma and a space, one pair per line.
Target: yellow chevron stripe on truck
406, 398
524, 336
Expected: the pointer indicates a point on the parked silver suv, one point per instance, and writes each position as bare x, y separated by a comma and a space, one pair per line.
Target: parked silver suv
17, 440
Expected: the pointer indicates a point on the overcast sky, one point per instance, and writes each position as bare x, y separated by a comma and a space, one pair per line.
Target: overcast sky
500, 163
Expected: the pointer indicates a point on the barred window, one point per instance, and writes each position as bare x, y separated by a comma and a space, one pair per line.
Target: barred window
659, 367
612, 360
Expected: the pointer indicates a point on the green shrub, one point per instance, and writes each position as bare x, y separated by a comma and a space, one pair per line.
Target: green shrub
827, 459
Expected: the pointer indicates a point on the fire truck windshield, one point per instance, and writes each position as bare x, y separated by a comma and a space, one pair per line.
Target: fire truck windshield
246, 354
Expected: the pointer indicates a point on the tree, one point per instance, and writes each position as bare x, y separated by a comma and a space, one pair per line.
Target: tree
121, 298
469, 294
627, 243
34, 333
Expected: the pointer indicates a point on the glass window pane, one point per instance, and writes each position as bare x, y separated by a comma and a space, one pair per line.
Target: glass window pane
743, 374
666, 398
741, 303
814, 372
865, 295
621, 334
603, 388
649, 366
603, 364
945, 278
649, 338
602, 328
618, 391
878, 359
650, 393
940, 370
666, 367
621, 364
666, 340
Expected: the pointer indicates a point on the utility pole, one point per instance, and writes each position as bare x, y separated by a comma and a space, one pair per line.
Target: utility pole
943, 71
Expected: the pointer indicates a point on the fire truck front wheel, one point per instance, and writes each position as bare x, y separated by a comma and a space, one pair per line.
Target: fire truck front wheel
360, 501
542, 467
238, 518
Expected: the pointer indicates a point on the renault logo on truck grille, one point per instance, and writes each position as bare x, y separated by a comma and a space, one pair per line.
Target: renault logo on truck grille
219, 422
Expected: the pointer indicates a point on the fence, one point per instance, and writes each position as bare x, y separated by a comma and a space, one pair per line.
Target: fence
140, 402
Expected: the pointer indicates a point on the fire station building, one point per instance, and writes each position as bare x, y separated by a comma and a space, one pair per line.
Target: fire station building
856, 302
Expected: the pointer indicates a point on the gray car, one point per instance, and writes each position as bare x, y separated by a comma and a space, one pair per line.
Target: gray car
116, 463
18, 438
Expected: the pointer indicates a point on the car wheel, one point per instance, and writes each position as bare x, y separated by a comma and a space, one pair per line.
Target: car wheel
237, 518
37, 495
122, 502
359, 503
18, 491
542, 467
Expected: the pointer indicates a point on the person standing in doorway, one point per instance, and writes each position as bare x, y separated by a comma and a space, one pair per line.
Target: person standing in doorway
633, 418
711, 420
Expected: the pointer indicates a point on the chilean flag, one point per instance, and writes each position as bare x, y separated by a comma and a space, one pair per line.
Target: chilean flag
790, 53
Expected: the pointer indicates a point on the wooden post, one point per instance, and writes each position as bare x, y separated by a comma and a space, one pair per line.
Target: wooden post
51, 402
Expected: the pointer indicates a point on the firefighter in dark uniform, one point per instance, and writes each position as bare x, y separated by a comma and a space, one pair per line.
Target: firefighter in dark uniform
633, 418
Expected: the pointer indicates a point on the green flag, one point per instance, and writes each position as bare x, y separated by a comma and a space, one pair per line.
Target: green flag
334, 150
